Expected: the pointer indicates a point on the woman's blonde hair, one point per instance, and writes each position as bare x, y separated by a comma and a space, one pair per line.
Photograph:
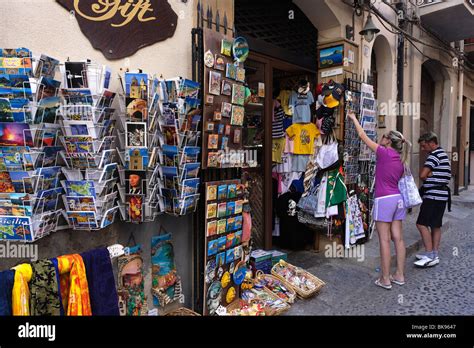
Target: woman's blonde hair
400, 144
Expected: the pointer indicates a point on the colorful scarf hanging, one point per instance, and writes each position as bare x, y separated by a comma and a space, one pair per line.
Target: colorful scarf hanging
131, 289
73, 285
58, 280
166, 286
101, 280
21, 291
7, 279
44, 290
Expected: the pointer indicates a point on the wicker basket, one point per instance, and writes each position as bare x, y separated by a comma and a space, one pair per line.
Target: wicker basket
292, 293
303, 293
182, 312
239, 303
274, 297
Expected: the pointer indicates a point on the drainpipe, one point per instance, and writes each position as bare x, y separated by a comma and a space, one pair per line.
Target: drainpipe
460, 146
400, 65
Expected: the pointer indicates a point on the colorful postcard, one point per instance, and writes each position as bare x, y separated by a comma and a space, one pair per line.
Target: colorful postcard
109, 217
135, 182
135, 208
77, 96
213, 159
76, 74
106, 99
80, 188
230, 208
221, 226
15, 134
50, 155
226, 47
331, 56
6, 114
226, 88
190, 154
220, 129
219, 62
221, 243
189, 89
238, 113
82, 219
46, 111
230, 224
230, 241
137, 109
215, 82
238, 252
136, 85
222, 192
220, 259
6, 184
170, 135
48, 178
229, 256
211, 192
213, 141
238, 237
108, 172
136, 158
15, 228
22, 182
231, 71
211, 211
225, 143
238, 222
86, 203
46, 66
106, 158
211, 228
47, 88
222, 210
232, 191
191, 170
135, 134
226, 109
238, 207
238, 94
212, 247
190, 187
240, 75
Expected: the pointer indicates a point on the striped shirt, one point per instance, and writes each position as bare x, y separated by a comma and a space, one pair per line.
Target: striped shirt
277, 127
440, 166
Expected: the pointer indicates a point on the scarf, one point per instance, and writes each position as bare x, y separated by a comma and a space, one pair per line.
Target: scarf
73, 285
44, 289
58, 281
21, 292
6, 286
101, 280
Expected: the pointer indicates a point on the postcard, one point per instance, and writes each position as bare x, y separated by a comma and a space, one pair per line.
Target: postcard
230, 224
238, 113
136, 85
220, 129
80, 188
190, 187
191, 170
238, 238
213, 159
6, 184
238, 222
222, 210
108, 172
213, 141
230, 241
50, 156
232, 191
240, 190
15, 228
226, 47
240, 75
170, 135
135, 182
137, 109
136, 158
23, 182
106, 158
219, 62
76, 74
72, 128
48, 178
211, 228
15, 134
170, 155
85, 203
238, 252
46, 66
222, 192
82, 219
211, 192
189, 89
237, 136
47, 88
190, 154
261, 90
226, 88
226, 109
109, 217
221, 243
189, 204
225, 143
231, 71
211, 211
221, 226
135, 134
238, 207
211, 247
229, 256
46, 111
220, 259
230, 208
135, 208
215, 82
77, 96
238, 94
106, 99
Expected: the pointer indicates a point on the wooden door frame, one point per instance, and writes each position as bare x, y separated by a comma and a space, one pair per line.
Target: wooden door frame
270, 63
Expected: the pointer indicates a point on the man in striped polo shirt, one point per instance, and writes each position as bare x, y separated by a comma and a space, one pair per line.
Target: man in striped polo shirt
435, 192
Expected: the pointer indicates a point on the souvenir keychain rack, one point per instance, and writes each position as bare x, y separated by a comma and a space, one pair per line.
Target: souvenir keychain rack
158, 134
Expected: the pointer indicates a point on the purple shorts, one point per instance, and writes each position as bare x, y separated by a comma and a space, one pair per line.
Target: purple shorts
389, 208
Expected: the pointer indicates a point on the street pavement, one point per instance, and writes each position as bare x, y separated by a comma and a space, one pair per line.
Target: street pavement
445, 289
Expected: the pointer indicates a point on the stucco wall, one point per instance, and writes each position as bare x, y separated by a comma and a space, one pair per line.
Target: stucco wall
45, 27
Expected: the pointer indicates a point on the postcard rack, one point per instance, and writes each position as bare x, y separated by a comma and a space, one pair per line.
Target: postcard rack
157, 115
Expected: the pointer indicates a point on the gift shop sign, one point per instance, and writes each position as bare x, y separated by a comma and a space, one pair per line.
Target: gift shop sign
119, 28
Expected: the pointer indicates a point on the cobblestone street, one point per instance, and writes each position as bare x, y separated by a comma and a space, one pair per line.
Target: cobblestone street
445, 289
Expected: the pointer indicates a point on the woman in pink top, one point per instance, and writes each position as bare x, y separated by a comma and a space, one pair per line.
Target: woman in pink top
389, 210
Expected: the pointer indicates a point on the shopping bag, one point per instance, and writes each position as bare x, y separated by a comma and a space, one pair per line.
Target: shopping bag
409, 190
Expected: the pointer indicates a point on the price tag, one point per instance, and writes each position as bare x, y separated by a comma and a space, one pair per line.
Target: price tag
153, 312
221, 310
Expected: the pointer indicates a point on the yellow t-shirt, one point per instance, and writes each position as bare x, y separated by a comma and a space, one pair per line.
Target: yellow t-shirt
303, 135
284, 98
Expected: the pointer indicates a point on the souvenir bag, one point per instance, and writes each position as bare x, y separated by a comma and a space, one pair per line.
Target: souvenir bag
336, 189
354, 223
409, 190
166, 284
131, 286
327, 155
309, 203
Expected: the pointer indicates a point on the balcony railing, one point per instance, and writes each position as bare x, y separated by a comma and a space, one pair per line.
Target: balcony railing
422, 3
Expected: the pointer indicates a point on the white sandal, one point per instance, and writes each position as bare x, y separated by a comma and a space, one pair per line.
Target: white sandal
386, 287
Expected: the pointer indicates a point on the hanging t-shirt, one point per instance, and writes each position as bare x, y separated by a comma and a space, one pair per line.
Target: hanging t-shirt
289, 144
286, 164
301, 104
284, 98
299, 162
277, 125
303, 136
278, 145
